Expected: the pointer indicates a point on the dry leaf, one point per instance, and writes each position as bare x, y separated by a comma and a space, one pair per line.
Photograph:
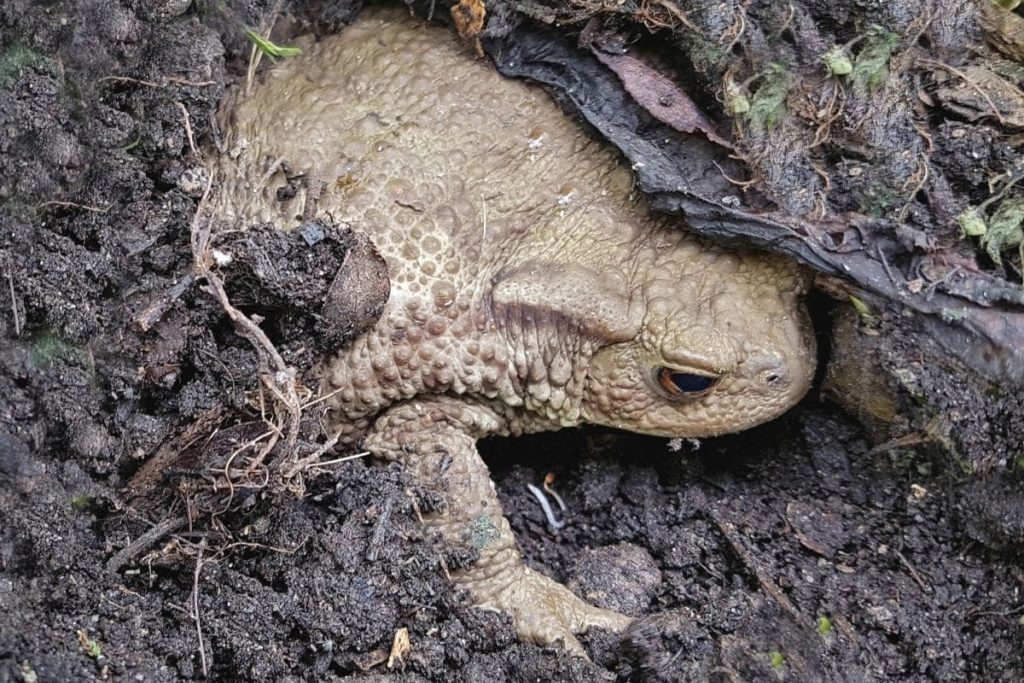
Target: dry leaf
1004, 30
399, 648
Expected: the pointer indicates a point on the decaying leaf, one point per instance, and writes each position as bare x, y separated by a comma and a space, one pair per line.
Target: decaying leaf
1004, 30
975, 91
659, 96
469, 16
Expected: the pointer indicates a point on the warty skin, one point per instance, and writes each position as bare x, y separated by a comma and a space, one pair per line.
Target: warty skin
530, 288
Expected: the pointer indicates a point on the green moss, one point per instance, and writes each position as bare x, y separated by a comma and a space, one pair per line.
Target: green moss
877, 200
871, 68
778, 660
768, 104
707, 56
824, 626
16, 59
48, 346
972, 222
837, 61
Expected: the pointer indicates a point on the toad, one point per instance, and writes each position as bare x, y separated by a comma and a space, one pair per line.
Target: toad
530, 289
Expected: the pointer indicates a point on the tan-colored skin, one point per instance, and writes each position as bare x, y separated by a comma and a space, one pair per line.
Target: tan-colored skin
530, 289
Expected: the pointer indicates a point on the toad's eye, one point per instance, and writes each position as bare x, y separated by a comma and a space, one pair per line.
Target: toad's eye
684, 384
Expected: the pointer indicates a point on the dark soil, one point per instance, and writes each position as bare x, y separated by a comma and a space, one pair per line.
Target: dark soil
797, 551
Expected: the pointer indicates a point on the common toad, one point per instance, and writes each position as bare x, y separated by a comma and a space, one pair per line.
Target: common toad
530, 288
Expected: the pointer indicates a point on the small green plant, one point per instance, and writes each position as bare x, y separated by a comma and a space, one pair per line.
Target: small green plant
778, 660
863, 310
81, 503
89, 646
268, 47
1004, 228
824, 626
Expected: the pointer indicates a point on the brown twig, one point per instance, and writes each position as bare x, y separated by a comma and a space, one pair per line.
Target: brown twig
972, 614
227, 470
742, 184
789, 19
924, 179
150, 84
276, 375
676, 12
885, 264
913, 572
153, 313
742, 17
336, 461
311, 460
73, 205
188, 130
767, 584
154, 534
264, 546
913, 439
823, 130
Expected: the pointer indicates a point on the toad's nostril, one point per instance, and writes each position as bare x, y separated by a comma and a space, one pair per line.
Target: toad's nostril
770, 370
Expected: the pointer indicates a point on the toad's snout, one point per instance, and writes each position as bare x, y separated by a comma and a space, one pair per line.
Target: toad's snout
771, 372
781, 374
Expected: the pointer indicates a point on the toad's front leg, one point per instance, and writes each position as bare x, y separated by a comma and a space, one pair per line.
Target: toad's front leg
435, 439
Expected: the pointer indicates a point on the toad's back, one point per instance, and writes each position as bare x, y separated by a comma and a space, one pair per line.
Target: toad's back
450, 168
458, 175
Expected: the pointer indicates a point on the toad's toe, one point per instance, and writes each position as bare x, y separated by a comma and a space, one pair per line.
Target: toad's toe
547, 613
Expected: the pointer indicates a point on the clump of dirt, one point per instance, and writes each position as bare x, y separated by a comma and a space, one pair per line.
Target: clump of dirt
136, 546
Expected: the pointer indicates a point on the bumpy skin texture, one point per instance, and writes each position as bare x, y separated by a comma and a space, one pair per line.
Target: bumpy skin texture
530, 290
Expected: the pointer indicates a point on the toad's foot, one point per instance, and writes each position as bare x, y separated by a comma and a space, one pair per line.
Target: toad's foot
545, 612
435, 439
